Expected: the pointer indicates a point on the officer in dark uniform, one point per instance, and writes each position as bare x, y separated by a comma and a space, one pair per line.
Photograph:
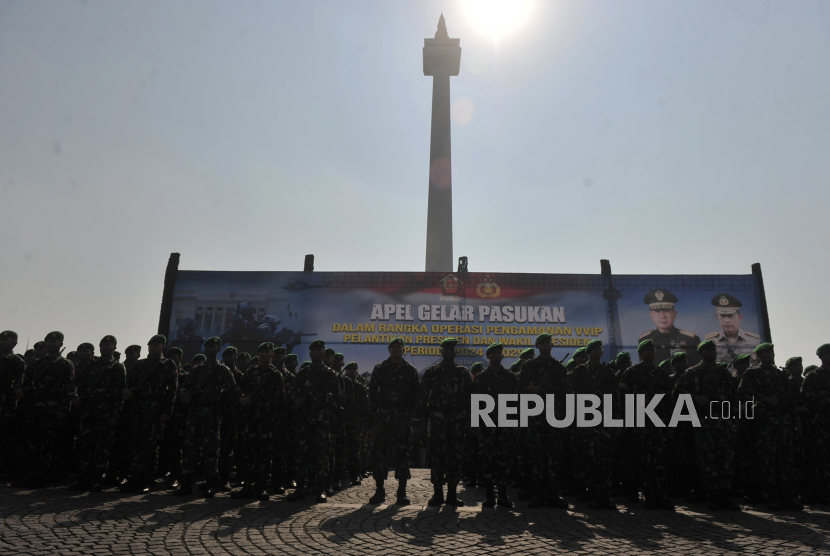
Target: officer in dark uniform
667, 337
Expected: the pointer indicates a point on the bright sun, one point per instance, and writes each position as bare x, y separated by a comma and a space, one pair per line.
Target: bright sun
497, 17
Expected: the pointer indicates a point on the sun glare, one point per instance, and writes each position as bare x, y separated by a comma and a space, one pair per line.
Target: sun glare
498, 18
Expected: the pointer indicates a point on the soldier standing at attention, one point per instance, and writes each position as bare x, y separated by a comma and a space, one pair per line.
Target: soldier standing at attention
12, 368
498, 445
341, 444
768, 387
706, 383
131, 356
667, 337
229, 411
45, 395
208, 389
282, 449
815, 396
524, 357
150, 394
393, 395
447, 388
472, 455
595, 445
318, 399
261, 397
98, 400
650, 442
356, 425
545, 444
119, 466
170, 452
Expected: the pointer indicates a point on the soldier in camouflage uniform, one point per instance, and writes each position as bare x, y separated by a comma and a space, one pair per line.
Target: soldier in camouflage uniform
472, 455
801, 465
283, 453
594, 446
768, 388
318, 399
545, 444
650, 442
393, 394
98, 400
119, 465
208, 389
341, 442
523, 470
260, 401
745, 481
44, 397
12, 368
149, 396
447, 388
524, 357
498, 445
170, 451
356, 425
229, 411
815, 396
706, 383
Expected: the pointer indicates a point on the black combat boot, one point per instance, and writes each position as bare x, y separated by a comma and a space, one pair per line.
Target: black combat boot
210, 491
489, 495
605, 500
437, 495
452, 497
321, 491
185, 488
298, 494
504, 500
379, 497
246, 491
726, 502
401, 499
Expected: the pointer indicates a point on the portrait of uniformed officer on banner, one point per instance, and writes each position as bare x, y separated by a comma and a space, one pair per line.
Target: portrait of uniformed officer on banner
731, 340
668, 339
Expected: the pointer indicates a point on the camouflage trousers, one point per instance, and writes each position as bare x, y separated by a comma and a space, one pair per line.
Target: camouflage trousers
715, 457
745, 455
472, 458
143, 434
686, 466
593, 454
314, 446
774, 447
43, 432
497, 453
201, 440
254, 448
94, 444
651, 449
819, 449
282, 453
391, 447
227, 443
446, 446
354, 442
545, 453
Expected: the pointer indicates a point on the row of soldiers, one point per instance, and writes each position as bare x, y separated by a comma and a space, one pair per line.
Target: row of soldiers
262, 417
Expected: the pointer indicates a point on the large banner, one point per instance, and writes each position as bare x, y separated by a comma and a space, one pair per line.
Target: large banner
357, 313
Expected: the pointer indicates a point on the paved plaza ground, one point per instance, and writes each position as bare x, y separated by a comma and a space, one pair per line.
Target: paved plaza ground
54, 521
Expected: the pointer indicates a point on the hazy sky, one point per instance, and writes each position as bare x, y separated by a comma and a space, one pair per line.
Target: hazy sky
669, 137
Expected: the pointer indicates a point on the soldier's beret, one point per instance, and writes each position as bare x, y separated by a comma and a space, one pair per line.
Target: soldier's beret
174, 351
493, 347
621, 355
741, 358
244, 355
792, 360
579, 351
109, 338
54, 336
570, 364
396, 341
350, 366
664, 364
265, 346
86, 345
158, 339
228, 350
305, 365
679, 356
39, 345
330, 352
543, 338
705, 345
528, 352
823, 349
213, 340
810, 369
9, 334
72, 354
762, 348
280, 349
339, 356
291, 356
477, 366
198, 357
133, 348
658, 300
449, 342
645, 344
722, 365
726, 304
590, 346
317, 344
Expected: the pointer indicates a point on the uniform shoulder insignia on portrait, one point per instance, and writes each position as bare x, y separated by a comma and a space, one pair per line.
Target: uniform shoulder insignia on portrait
646, 334
752, 335
711, 335
687, 333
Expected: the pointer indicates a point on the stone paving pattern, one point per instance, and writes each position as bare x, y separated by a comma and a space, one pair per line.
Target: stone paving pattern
54, 521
